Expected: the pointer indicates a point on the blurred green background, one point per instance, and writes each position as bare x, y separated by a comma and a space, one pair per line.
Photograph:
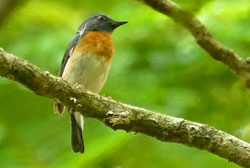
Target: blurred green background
157, 65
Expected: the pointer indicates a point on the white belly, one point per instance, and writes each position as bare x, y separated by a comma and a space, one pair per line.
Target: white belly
87, 70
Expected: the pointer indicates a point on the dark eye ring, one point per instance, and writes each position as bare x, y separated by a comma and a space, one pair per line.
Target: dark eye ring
101, 18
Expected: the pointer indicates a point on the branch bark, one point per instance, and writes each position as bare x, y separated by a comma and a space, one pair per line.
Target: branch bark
203, 37
122, 116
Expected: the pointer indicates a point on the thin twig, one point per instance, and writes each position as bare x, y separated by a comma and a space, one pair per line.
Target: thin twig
203, 37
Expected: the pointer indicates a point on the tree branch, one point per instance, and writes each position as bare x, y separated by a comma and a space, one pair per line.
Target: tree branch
125, 117
203, 37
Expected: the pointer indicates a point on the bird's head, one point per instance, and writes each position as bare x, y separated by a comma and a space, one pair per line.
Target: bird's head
100, 22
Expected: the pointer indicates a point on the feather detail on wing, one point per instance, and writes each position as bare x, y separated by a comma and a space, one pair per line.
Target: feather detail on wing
58, 107
69, 52
81, 33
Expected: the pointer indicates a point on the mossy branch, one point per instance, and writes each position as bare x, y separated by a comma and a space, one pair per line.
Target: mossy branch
122, 116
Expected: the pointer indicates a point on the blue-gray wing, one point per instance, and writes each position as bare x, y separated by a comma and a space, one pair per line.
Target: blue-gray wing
81, 33
68, 52
58, 107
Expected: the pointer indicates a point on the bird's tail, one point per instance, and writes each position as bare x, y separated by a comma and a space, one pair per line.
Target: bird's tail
77, 142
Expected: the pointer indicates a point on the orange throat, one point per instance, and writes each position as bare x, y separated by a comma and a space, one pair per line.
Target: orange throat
96, 43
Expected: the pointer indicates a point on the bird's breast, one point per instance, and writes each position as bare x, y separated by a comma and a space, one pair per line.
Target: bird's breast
88, 70
96, 43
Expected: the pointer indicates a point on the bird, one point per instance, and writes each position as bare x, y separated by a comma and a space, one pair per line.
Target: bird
87, 61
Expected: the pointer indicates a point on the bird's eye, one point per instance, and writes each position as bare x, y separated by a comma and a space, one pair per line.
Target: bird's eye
102, 18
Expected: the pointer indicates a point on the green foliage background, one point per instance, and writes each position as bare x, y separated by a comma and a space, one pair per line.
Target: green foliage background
157, 65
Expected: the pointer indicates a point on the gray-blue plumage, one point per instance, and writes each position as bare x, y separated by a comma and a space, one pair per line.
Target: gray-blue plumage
85, 69
97, 22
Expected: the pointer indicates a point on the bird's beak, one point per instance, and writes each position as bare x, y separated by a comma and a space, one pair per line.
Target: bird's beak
116, 24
